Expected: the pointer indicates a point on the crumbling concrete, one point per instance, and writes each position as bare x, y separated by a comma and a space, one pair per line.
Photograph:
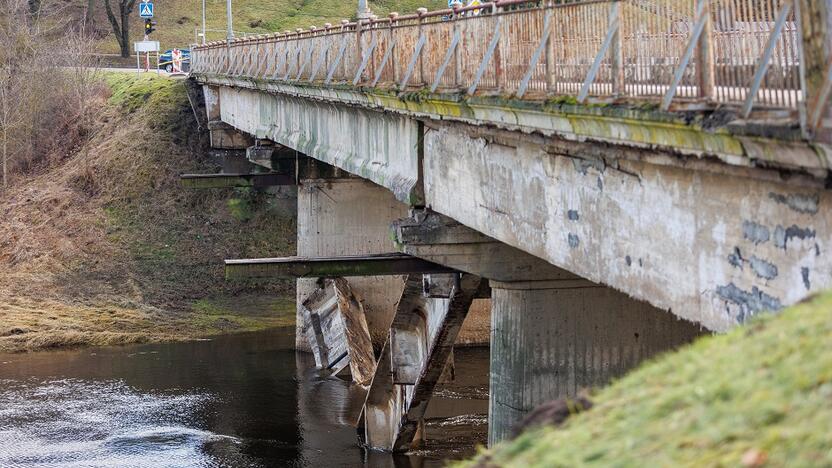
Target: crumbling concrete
712, 247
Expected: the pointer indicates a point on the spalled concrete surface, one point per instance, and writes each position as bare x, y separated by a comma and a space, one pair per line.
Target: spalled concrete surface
711, 247
379, 147
551, 339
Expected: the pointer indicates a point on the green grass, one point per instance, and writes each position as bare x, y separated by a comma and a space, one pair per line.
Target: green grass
246, 311
133, 91
760, 393
177, 19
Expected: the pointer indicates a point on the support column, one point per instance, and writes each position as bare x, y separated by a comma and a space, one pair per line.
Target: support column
350, 217
550, 339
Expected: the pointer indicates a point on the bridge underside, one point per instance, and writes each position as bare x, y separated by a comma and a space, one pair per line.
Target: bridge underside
711, 241
599, 199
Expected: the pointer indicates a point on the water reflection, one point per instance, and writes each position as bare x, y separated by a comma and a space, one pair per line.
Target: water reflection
245, 400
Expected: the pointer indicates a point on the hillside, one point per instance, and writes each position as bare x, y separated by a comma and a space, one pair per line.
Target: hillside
760, 395
178, 20
104, 246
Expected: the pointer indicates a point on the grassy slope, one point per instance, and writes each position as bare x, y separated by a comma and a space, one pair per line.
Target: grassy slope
105, 247
177, 18
762, 392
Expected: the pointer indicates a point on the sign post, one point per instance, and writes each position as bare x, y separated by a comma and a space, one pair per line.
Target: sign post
146, 47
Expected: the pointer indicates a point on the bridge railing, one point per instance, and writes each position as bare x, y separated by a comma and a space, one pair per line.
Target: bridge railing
741, 53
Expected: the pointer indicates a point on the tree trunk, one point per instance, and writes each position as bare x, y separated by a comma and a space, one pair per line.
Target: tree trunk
5, 158
125, 34
88, 18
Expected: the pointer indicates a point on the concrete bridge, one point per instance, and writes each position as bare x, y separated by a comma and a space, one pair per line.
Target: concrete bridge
617, 176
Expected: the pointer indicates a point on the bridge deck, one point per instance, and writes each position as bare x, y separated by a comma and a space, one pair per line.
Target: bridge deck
661, 51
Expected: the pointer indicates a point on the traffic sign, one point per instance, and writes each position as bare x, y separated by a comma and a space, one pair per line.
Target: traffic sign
146, 10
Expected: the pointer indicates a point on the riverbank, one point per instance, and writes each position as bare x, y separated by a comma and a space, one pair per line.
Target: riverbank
104, 247
760, 395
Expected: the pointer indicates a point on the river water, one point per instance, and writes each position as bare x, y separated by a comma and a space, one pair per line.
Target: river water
241, 400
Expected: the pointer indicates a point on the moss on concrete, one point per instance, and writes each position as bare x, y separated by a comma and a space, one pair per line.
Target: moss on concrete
761, 394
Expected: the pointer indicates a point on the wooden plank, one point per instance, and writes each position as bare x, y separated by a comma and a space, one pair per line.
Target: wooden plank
357, 334
330, 267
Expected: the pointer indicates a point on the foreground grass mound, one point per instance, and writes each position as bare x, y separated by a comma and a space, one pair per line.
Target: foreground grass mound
760, 395
104, 246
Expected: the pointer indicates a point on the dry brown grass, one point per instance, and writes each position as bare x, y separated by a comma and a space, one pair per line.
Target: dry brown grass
103, 247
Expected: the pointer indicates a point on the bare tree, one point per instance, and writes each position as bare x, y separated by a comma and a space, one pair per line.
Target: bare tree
88, 16
121, 23
45, 83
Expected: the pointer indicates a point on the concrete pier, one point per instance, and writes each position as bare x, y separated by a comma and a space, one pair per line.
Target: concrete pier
551, 339
350, 216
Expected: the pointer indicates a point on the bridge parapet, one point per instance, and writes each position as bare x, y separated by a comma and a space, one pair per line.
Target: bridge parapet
676, 54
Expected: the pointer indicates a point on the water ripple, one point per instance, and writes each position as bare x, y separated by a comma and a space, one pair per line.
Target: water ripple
75, 423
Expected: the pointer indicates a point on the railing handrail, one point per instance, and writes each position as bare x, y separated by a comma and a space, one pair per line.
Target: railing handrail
613, 49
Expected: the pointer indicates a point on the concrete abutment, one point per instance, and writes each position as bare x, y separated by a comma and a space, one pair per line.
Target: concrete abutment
551, 339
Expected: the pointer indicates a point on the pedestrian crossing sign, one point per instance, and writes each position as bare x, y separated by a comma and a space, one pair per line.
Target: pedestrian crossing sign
146, 10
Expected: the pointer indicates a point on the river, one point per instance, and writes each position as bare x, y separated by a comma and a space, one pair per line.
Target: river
239, 400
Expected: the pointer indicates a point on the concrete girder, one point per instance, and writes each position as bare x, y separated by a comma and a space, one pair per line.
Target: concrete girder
337, 331
224, 136
279, 158
442, 240
740, 143
412, 361
381, 147
712, 248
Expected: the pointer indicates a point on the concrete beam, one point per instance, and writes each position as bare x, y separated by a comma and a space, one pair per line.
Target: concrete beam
381, 147
712, 248
442, 240
203, 181
337, 332
441, 286
324, 330
419, 345
735, 144
224, 136
356, 332
328, 267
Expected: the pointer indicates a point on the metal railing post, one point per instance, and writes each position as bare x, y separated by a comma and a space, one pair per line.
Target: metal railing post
421, 12
392, 46
550, 59
457, 54
705, 69
815, 17
498, 56
617, 56
358, 49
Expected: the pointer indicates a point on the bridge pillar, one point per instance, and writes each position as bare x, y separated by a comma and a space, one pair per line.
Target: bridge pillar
350, 216
551, 339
